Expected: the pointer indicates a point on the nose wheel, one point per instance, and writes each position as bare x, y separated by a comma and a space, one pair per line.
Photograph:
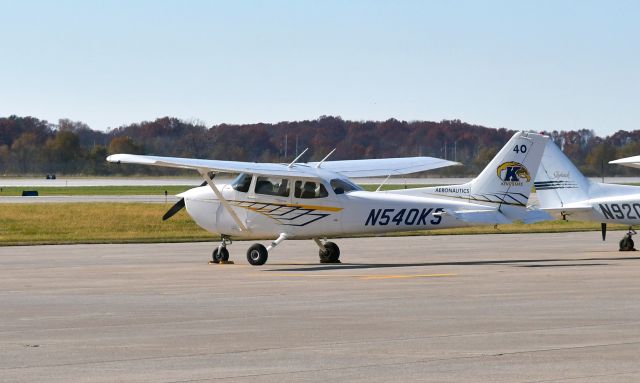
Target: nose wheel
220, 254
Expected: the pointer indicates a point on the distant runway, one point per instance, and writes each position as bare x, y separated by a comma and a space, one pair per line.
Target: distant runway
194, 181
484, 308
90, 198
187, 181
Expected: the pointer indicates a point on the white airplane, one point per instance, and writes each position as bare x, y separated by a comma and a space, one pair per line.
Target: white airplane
561, 188
317, 200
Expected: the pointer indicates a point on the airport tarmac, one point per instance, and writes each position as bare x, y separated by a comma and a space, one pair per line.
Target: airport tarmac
485, 308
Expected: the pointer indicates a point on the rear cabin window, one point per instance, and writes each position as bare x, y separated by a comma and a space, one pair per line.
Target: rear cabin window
272, 186
242, 183
310, 189
343, 186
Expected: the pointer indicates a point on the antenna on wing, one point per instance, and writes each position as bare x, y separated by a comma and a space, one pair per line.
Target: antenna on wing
325, 158
297, 158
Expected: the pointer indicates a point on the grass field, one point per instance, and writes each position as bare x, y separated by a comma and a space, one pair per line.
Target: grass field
30, 224
131, 190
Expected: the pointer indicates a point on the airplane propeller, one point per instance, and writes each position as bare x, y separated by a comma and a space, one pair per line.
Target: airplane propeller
174, 209
177, 206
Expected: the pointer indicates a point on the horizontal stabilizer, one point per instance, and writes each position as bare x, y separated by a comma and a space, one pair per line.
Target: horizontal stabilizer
569, 209
489, 217
536, 215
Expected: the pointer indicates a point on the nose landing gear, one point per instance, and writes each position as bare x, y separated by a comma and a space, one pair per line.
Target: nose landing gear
221, 254
626, 243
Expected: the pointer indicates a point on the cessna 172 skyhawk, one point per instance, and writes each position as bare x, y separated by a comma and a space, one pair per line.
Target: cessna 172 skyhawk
317, 200
561, 188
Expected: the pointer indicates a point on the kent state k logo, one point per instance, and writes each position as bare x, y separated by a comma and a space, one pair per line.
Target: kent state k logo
513, 173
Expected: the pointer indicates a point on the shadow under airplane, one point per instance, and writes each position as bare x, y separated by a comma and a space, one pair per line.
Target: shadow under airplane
514, 262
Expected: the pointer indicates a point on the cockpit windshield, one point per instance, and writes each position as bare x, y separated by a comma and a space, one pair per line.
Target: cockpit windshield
242, 182
341, 186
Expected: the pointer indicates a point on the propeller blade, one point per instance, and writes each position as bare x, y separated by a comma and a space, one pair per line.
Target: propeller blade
603, 227
179, 205
174, 209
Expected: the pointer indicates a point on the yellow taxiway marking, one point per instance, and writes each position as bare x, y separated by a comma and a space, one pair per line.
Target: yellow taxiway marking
406, 276
366, 276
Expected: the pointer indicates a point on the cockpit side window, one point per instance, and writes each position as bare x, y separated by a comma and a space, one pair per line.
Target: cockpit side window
242, 183
272, 186
341, 186
310, 189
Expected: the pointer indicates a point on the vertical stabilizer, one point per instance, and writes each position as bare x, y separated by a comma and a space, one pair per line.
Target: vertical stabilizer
508, 179
558, 181
505, 184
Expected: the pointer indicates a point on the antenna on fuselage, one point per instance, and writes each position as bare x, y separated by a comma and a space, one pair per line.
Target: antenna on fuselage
297, 158
325, 158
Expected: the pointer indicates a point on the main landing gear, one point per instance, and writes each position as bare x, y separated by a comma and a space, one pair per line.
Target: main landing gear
329, 251
257, 254
626, 243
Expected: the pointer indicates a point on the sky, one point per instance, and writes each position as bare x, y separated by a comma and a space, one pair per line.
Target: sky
523, 65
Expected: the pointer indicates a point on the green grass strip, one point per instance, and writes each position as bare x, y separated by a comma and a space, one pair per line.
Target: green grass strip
65, 223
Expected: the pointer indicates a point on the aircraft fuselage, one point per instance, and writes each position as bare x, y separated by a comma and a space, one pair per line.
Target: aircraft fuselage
354, 212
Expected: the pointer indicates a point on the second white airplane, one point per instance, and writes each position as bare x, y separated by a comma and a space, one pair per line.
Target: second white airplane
317, 200
563, 189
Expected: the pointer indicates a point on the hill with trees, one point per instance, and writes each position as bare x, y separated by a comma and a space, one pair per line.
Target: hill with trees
29, 146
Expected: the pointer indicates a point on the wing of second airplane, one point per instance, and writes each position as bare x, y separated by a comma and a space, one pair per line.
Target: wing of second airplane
349, 168
633, 162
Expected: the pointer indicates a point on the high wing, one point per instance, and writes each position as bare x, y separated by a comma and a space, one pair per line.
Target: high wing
384, 166
211, 165
633, 162
351, 168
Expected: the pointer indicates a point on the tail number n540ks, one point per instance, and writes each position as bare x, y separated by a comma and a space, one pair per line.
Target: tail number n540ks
409, 217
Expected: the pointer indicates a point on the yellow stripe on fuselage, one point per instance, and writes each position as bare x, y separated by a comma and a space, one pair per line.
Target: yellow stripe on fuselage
315, 207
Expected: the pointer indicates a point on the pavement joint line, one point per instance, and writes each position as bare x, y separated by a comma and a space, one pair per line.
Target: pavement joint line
414, 362
583, 377
428, 360
479, 333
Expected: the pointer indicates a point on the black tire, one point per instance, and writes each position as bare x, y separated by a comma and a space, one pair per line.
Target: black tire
257, 254
223, 255
626, 243
330, 254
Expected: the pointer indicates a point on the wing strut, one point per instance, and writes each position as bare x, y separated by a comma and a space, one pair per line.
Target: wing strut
383, 182
224, 202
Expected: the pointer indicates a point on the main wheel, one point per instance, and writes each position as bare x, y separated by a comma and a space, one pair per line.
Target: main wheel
223, 255
257, 254
330, 253
626, 243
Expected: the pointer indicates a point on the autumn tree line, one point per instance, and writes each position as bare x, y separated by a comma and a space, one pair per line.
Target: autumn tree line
29, 146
